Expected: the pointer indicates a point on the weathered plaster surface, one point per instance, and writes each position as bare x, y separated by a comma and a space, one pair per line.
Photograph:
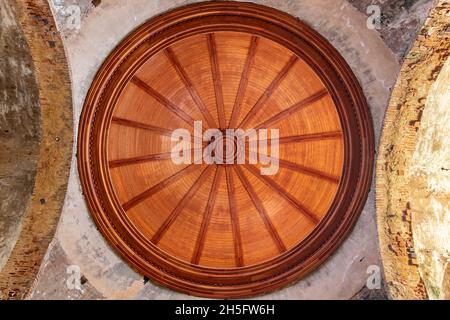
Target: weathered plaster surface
19, 129
429, 183
400, 21
79, 243
406, 218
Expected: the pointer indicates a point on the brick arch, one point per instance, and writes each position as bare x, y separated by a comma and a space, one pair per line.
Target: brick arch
53, 166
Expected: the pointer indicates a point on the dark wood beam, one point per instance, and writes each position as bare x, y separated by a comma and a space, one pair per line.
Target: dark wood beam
181, 205
303, 169
262, 211
293, 109
147, 158
244, 81
190, 87
158, 187
207, 216
272, 184
312, 137
163, 100
235, 226
309, 171
268, 92
141, 159
215, 70
139, 125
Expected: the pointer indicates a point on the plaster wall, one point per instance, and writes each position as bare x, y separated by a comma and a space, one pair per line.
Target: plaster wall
400, 21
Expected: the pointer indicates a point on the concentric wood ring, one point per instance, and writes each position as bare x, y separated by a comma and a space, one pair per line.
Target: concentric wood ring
225, 230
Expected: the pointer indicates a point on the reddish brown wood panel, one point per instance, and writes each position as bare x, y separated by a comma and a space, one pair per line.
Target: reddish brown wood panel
215, 229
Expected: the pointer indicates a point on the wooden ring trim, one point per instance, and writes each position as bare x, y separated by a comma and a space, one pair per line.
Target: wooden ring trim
354, 114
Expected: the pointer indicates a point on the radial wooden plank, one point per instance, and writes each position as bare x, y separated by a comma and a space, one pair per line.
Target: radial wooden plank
268, 92
303, 169
148, 193
129, 161
164, 101
190, 87
310, 171
296, 107
234, 218
309, 137
262, 211
171, 219
277, 188
215, 69
207, 216
140, 125
244, 81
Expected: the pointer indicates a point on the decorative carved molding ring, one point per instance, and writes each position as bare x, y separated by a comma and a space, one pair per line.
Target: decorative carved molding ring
225, 231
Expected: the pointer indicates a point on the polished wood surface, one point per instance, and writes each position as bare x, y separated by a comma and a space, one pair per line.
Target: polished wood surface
184, 81
225, 230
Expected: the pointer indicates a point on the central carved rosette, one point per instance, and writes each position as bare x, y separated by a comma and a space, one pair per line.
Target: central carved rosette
225, 148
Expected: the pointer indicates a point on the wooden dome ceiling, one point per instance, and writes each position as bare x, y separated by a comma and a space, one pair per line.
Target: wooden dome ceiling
224, 216
225, 230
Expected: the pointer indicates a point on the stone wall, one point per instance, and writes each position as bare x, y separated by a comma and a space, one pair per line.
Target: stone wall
410, 201
429, 185
401, 21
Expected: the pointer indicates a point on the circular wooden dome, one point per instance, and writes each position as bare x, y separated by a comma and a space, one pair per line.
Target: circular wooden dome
219, 228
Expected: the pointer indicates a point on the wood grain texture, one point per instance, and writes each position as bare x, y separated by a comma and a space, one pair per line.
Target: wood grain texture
234, 219
291, 110
225, 230
285, 194
136, 124
152, 157
164, 101
207, 216
244, 81
141, 197
268, 92
215, 69
190, 87
261, 210
180, 206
